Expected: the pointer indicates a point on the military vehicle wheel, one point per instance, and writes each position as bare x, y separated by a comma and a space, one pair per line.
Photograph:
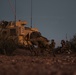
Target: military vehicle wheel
7, 46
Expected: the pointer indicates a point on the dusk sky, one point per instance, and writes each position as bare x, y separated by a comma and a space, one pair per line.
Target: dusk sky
53, 18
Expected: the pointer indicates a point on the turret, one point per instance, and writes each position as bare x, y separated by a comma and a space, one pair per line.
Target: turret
21, 23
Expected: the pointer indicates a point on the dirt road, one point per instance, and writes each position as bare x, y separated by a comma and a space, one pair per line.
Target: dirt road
38, 65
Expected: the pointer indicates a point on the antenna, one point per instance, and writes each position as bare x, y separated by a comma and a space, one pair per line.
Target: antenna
31, 13
15, 12
66, 36
13, 9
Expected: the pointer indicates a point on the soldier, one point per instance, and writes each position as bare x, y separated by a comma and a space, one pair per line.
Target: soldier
68, 46
53, 46
63, 45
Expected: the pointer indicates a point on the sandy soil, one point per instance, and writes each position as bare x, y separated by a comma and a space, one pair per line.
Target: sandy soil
38, 65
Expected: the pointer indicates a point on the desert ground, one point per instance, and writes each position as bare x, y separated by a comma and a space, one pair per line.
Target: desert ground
22, 64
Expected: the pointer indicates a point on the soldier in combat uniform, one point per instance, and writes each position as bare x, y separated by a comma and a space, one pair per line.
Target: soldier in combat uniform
63, 47
53, 46
68, 46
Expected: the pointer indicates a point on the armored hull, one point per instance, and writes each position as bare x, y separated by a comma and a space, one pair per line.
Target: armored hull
24, 36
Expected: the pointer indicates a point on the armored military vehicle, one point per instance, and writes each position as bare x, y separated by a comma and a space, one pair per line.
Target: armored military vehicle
24, 36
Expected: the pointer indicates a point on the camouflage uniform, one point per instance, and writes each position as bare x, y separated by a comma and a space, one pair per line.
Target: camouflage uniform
63, 45
68, 46
53, 46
